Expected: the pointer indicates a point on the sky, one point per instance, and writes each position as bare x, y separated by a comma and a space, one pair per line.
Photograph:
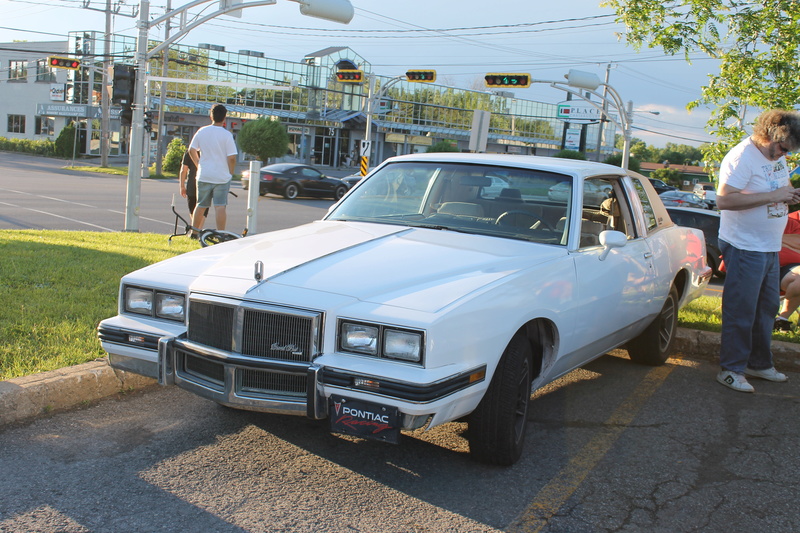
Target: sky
461, 39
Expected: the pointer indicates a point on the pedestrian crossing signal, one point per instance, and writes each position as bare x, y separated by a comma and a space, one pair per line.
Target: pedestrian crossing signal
63, 62
350, 76
423, 76
508, 80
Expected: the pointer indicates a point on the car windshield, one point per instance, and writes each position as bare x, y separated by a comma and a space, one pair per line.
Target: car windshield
513, 203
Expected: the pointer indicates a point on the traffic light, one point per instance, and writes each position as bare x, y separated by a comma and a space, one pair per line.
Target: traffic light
123, 84
148, 121
63, 62
350, 76
426, 76
508, 80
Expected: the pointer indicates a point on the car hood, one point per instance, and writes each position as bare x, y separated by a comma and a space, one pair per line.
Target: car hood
413, 268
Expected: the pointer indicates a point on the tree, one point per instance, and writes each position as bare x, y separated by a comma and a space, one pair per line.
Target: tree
442, 146
757, 45
65, 142
616, 160
263, 138
174, 157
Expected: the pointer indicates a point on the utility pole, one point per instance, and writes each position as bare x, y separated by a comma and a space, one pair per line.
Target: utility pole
160, 126
105, 120
603, 120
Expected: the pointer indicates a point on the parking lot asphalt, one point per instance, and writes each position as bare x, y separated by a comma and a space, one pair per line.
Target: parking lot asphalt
29, 397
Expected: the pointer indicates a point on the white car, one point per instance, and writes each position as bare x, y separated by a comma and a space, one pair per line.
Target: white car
416, 302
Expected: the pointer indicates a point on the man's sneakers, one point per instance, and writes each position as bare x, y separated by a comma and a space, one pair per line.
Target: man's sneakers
781, 324
738, 382
735, 381
770, 374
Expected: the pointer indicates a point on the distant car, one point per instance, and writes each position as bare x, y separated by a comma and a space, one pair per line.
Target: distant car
592, 194
352, 179
707, 192
660, 186
707, 221
682, 199
292, 180
495, 188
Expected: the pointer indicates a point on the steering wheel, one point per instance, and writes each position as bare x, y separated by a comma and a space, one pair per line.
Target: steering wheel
514, 212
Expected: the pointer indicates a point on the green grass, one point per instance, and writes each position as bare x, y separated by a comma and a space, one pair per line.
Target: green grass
56, 286
123, 171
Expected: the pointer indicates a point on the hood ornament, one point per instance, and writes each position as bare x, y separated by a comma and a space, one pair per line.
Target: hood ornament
258, 273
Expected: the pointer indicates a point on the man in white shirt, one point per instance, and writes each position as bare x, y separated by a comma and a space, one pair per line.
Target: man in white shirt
214, 151
753, 197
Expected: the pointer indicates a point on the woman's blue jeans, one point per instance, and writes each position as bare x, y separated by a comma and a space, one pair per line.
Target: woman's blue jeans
750, 301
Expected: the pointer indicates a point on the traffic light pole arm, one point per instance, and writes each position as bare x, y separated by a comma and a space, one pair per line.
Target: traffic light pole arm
625, 116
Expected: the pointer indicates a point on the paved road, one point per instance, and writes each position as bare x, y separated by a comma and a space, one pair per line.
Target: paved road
612, 447
38, 193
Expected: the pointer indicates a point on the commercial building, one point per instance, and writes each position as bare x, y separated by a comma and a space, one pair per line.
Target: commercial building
326, 118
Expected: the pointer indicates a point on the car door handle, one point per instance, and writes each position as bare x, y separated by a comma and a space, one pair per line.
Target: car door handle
648, 255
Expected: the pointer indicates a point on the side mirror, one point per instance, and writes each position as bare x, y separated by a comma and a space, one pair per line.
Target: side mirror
611, 239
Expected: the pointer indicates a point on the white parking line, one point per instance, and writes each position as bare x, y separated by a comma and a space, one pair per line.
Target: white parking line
57, 216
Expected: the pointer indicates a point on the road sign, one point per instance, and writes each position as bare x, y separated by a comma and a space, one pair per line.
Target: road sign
579, 112
364, 151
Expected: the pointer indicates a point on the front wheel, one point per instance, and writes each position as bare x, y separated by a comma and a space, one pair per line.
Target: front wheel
497, 426
216, 236
653, 345
291, 191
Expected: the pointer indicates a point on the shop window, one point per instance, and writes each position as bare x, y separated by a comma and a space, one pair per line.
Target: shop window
45, 125
16, 123
17, 70
44, 72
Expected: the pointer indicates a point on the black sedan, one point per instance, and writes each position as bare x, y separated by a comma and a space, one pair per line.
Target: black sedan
660, 186
706, 220
292, 180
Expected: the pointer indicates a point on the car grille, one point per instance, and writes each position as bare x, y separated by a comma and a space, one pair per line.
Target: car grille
266, 332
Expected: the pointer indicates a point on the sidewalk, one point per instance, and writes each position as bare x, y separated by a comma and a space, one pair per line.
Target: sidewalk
28, 397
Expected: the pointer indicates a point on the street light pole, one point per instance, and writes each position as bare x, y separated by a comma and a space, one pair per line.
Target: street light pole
334, 10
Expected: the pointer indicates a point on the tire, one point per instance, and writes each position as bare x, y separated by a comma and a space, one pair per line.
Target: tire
498, 425
262, 191
216, 236
291, 191
339, 192
652, 346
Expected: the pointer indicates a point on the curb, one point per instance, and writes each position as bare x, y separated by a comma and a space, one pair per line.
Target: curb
28, 397
31, 396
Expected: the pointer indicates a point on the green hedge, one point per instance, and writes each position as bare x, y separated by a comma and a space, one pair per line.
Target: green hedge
28, 146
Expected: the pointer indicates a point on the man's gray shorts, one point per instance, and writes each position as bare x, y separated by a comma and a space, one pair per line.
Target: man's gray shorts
218, 192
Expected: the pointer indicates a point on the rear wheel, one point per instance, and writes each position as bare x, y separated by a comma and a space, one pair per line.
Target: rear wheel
497, 426
339, 192
653, 345
291, 191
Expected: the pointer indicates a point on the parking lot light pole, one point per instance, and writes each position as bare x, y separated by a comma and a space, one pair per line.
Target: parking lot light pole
334, 10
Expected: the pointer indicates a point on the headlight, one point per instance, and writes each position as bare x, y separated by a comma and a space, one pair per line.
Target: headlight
154, 303
381, 340
402, 345
170, 306
359, 338
139, 301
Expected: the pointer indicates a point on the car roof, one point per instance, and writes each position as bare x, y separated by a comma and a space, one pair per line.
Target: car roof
553, 164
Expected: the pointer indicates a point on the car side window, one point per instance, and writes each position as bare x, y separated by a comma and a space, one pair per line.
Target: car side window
650, 219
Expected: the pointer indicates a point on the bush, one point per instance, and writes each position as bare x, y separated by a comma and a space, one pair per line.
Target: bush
616, 160
174, 157
28, 146
570, 154
442, 146
65, 142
